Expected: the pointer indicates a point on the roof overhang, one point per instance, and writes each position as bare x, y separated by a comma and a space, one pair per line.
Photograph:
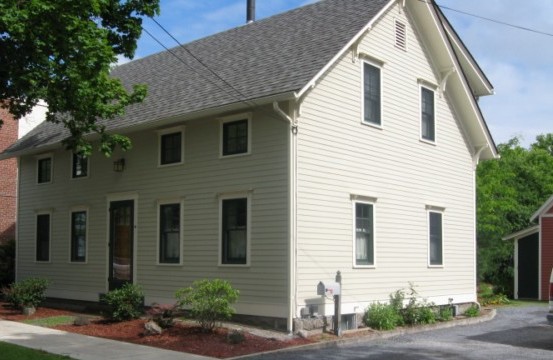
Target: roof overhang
522, 233
543, 209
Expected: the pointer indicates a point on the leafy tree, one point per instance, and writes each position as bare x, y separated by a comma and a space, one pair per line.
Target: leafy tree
509, 191
61, 51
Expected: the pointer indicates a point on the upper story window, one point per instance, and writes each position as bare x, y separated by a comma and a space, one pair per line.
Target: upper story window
44, 169
235, 231
428, 121
372, 104
79, 166
171, 146
236, 135
435, 238
170, 233
42, 245
364, 233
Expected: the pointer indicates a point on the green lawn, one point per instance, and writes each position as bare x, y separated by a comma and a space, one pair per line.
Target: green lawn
52, 321
14, 352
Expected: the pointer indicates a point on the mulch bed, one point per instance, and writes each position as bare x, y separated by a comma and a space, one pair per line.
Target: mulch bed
182, 337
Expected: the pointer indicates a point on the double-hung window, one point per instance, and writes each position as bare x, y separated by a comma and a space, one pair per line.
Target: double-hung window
435, 238
43, 233
234, 230
79, 166
78, 235
428, 117
170, 233
364, 233
236, 135
171, 146
44, 169
372, 102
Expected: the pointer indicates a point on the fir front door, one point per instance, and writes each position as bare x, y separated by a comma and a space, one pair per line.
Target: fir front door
121, 230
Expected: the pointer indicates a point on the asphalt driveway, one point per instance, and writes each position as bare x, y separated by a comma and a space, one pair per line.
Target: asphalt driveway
515, 333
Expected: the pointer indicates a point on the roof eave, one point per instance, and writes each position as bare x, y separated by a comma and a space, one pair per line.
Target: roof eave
546, 205
522, 233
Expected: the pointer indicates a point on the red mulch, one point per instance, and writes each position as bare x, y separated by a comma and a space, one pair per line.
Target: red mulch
182, 337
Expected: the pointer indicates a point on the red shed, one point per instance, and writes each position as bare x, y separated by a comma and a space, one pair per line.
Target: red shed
534, 255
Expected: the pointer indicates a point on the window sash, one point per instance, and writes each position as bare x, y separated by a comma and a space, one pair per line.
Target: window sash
427, 115
435, 238
371, 94
44, 170
43, 237
169, 233
234, 231
235, 137
364, 234
78, 236
80, 166
171, 148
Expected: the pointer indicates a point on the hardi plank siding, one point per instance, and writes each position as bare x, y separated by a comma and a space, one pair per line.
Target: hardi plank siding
339, 157
199, 183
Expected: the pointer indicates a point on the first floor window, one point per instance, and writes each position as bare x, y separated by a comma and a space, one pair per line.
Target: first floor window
78, 236
43, 237
428, 123
234, 231
44, 170
435, 238
235, 137
169, 233
364, 234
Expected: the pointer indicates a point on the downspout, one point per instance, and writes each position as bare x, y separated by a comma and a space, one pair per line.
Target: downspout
475, 160
292, 186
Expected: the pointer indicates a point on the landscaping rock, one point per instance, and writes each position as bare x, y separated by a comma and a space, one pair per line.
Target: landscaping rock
29, 310
151, 328
303, 334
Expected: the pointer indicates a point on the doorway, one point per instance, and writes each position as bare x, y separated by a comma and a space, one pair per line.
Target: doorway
121, 244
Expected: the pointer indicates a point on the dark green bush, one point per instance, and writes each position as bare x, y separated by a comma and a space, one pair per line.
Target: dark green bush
26, 293
209, 301
382, 317
445, 313
7, 263
125, 303
472, 311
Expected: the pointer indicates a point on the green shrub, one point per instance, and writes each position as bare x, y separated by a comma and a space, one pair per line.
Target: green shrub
7, 263
26, 293
209, 301
488, 296
382, 317
473, 311
445, 313
125, 303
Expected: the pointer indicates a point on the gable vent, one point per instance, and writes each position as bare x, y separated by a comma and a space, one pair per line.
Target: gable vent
401, 35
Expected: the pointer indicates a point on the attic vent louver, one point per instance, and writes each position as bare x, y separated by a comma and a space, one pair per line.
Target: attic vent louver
401, 35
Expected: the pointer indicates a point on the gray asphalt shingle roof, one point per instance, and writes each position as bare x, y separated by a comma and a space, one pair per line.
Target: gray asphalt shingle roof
277, 55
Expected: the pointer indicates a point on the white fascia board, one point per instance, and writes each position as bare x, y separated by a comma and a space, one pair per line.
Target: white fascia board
543, 208
522, 233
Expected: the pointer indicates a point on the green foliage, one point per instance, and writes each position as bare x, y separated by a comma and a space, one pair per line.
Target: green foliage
52, 321
26, 293
472, 311
509, 191
445, 313
382, 317
209, 301
10, 351
7, 263
62, 52
417, 312
125, 303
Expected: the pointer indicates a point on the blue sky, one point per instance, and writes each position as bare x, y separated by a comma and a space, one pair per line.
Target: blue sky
518, 63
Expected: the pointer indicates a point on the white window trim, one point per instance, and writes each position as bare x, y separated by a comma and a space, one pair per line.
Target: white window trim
180, 202
362, 200
230, 196
379, 65
436, 210
223, 120
41, 157
37, 213
73, 210
71, 168
428, 86
172, 130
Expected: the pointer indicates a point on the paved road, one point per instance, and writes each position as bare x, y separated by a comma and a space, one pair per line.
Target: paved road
515, 333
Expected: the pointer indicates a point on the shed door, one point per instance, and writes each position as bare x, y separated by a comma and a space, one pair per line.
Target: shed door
528, 263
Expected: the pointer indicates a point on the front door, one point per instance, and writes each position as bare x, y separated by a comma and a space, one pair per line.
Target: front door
121, 228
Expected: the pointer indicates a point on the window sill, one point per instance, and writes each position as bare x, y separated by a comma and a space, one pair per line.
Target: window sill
364, 266
169, 265
234, 265
77, 262
435, 266
78, 177
373, 125
170, 165
429, 142
221, 156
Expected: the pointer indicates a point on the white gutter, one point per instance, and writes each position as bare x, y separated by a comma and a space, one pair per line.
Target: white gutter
292, 219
